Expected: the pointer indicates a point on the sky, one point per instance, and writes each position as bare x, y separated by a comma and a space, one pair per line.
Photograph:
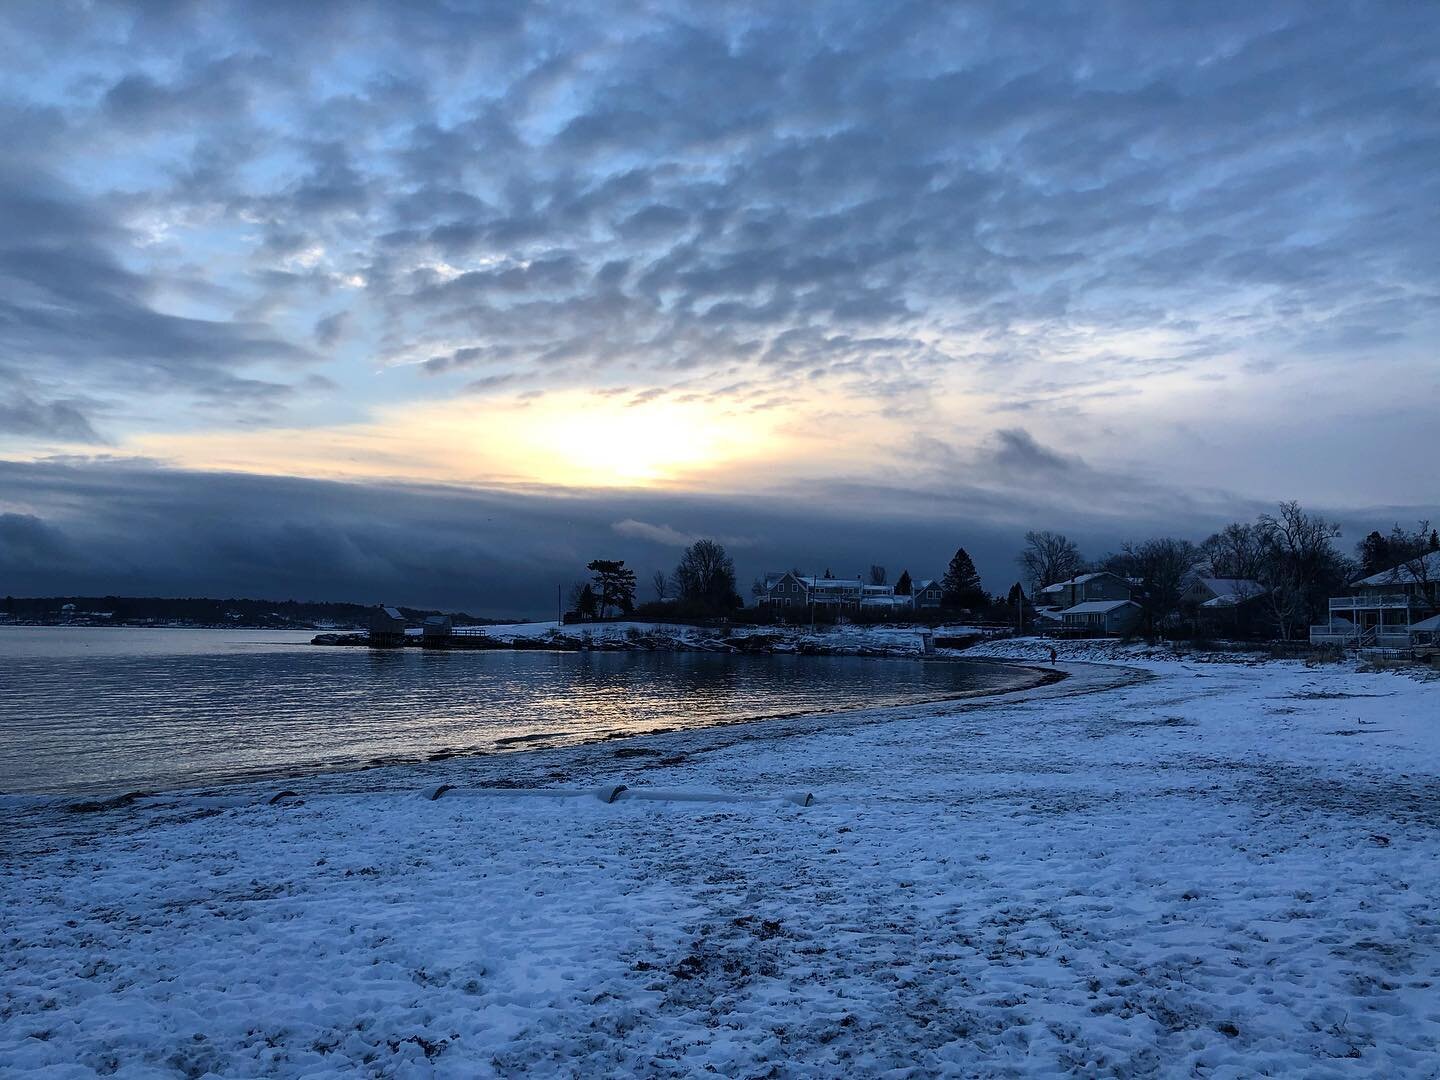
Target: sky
433, 303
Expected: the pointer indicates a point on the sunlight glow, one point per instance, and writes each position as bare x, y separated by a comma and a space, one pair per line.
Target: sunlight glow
566, 440
603, 445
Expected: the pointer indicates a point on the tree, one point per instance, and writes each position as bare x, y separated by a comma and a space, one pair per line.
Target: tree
705, 579
960, 587
1049, 557
615, 585
661, 584
587, 604
828, 575
1301, 567
1236, 551
1414, 560
1435, 539
1374, 553
877, 575
904, 586
1162, 565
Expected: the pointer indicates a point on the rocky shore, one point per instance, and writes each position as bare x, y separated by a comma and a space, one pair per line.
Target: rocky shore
645, 637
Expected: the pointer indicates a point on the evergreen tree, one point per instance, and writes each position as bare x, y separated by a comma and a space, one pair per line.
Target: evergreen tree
615, 585
1016, 595
1435, 539
1374, 553
587, 605
903, 586
961, 584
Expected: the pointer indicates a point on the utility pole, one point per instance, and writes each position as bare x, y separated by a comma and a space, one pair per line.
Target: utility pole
810, 589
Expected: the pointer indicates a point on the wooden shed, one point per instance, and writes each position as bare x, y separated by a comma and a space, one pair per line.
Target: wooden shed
387, 627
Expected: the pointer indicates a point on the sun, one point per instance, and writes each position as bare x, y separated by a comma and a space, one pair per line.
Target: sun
589, 441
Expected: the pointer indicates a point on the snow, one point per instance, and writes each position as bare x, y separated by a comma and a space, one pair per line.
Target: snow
1158, 866
1098, 607
900, 639
1404, 573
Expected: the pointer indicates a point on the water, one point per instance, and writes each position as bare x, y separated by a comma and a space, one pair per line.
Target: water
91, 709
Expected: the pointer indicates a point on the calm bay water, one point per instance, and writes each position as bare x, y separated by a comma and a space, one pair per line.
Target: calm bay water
87, 709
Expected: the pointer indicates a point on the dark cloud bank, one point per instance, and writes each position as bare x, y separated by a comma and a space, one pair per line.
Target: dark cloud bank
127, 529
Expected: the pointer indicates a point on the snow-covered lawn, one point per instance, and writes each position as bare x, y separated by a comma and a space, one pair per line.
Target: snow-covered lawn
1205, 869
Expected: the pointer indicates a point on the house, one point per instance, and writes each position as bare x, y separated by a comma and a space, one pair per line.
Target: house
1108, 618
1382, 609
1232, 606
883, 600
387, 627
1425, 634
1216, 593
799, 591
1101, 585
791, 590
926, 595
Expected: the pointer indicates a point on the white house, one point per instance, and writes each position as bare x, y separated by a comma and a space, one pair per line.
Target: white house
1382, 609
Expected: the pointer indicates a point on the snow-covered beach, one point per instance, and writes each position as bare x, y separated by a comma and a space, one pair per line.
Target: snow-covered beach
1156, 866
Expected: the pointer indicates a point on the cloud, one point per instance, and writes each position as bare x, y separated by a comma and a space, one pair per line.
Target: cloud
656, 534
29, 544
97, 527
53, 420
666, 536
1015, 450
939, 213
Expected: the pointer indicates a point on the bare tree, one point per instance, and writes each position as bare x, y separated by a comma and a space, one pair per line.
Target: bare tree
1417, 562
1236, 551
1301, 566
1163, 565
705, 579
661, 584
572, 596
877, 575
1049, 557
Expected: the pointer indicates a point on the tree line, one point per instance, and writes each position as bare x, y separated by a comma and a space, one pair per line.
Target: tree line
1291, 556
702, 584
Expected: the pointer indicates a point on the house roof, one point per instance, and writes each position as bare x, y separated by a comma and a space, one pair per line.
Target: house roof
1401, 574
1432, 623
1098, 607
1080, 579
394, 613
1227, 592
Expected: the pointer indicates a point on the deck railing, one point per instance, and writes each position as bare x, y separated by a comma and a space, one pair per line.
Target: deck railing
1375, 600
1360, 638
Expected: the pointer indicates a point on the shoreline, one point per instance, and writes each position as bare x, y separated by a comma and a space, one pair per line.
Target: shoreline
517, 746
